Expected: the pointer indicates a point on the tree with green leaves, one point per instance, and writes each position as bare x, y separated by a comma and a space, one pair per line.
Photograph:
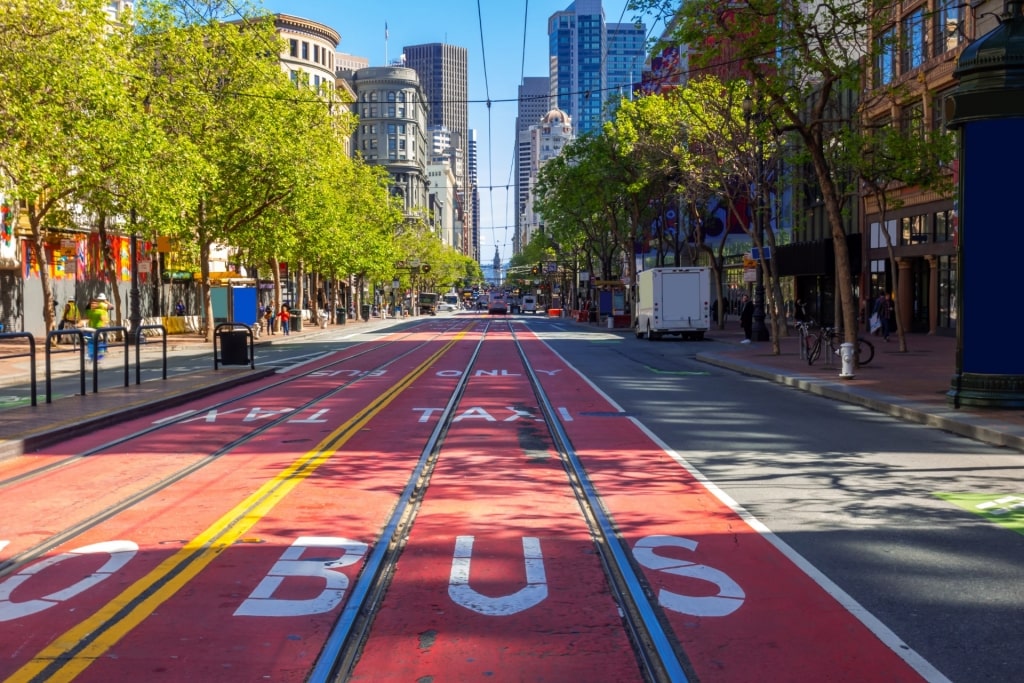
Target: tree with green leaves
64, 99
584, 208
644, 137
802, 64
729, 155
243, 130
889, 158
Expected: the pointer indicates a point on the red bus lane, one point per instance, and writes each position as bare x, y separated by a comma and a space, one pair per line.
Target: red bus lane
89, 485
222, 575
739, 605
499, 578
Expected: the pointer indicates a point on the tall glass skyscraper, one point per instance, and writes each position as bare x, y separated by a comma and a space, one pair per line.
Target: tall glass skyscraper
591, 61
442, 70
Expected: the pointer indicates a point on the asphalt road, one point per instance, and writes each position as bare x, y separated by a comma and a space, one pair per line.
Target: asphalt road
856, 494
871, 507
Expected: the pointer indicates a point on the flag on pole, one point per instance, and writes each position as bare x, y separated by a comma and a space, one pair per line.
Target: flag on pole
385, 30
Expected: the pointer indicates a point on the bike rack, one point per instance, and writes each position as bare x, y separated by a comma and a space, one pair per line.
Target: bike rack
57, 334
139, 337
31, 354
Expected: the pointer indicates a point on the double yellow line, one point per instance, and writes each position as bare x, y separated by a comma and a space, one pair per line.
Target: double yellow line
73, 651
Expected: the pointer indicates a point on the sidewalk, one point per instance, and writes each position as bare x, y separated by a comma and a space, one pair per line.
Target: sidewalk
26, 428
911, 386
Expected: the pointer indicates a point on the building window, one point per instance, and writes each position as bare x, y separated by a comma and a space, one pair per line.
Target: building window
949, 25
305, 50
391, 96
885, 57
293, 48
944, 226
914, 230
915, 40
316, 53
912, 119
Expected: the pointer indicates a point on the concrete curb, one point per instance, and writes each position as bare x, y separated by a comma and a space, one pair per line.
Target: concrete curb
955, 422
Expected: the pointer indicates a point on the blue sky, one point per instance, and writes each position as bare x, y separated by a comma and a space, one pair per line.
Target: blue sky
456, 22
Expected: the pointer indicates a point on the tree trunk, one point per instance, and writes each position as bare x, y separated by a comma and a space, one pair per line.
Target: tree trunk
842, 253
42, 257
108, 269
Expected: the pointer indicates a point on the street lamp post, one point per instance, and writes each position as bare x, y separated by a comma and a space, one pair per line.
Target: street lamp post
760, 330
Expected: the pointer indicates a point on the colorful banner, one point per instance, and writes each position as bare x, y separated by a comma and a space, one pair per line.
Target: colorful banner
77, 256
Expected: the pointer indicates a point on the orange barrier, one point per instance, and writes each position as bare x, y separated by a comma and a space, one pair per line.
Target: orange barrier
554, 312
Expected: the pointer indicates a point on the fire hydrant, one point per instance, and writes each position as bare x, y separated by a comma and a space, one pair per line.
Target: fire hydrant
846, 355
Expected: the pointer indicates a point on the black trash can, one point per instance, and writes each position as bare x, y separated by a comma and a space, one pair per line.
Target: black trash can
365, 311
339, 316
234, 347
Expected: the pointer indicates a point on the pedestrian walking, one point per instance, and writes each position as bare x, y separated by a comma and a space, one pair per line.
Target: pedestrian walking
747, 318
881, 314
286, 317
268, 318
179, 308
800, 311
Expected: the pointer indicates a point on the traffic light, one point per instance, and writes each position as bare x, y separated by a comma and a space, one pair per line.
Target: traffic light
425, 268
535, 270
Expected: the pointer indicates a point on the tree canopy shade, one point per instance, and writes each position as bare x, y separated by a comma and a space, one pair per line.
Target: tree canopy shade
65, 111
803, 63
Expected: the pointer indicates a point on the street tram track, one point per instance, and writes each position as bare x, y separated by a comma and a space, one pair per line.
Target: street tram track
17, 561
657, 655
22, 477
342, 551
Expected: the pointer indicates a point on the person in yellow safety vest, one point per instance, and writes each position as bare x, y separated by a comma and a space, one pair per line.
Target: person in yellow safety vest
70, 317
98, 315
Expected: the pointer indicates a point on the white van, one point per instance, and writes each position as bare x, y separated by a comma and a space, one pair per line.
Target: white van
497, 303
529, 304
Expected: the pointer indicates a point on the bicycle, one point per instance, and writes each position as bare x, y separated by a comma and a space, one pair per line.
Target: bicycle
864, 350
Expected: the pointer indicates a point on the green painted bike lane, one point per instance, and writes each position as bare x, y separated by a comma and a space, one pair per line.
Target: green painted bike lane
1005, 509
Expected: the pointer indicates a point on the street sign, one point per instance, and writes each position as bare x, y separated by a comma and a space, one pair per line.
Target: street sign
754, 251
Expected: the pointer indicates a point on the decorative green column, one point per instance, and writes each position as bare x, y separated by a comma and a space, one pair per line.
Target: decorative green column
987, 111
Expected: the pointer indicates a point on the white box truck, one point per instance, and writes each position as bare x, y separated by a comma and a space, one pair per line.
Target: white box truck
673, 301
